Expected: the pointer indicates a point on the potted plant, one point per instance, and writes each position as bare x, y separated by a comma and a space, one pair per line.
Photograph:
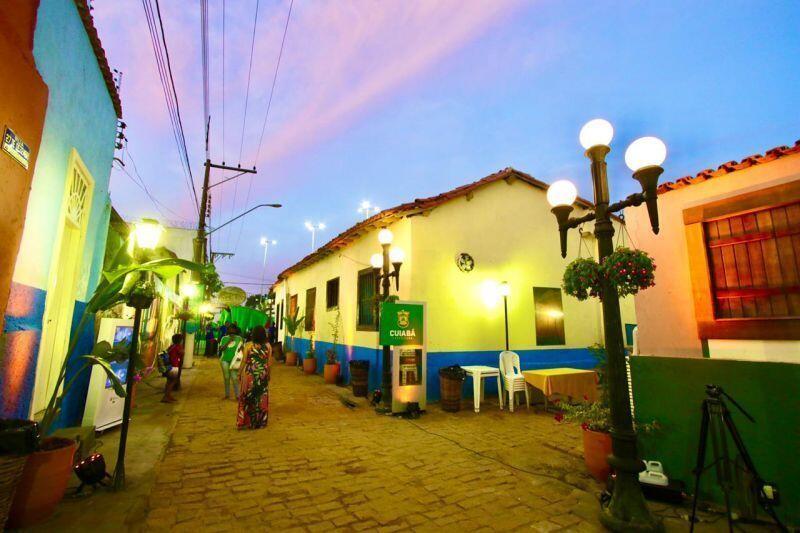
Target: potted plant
331, 371
451, 379
310, 359
18, 439
293, 323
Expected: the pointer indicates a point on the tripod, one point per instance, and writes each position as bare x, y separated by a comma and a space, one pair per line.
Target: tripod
716, 418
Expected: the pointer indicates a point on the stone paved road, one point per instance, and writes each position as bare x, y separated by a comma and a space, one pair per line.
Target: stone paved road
320, 466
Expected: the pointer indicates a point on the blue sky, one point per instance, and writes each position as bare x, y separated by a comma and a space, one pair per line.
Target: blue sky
392, 101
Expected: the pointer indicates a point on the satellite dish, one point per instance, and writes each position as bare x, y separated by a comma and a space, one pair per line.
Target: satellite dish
231, 296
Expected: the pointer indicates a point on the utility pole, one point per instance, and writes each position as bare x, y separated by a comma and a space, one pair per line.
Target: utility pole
200, 240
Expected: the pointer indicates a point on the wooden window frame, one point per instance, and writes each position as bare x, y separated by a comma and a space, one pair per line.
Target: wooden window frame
365, 327
310, 317
708, 325
559, 322
328, 291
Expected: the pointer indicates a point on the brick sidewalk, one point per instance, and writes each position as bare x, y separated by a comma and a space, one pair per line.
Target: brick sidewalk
320, 466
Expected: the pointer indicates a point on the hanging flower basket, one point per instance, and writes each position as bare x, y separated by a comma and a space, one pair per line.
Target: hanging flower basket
582, 278
629, 271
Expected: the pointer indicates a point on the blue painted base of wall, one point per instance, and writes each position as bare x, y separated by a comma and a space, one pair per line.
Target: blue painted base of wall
23, 332
529, 360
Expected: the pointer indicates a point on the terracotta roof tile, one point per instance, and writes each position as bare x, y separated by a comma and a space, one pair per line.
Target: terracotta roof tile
419, 205
731, 166
100, 54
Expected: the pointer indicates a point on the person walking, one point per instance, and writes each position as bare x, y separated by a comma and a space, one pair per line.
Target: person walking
254, 398
228, 346
175, 353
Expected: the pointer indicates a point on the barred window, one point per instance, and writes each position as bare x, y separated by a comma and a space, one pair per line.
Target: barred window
367, 319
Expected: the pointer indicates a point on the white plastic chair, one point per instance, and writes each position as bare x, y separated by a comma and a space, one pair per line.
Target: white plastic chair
513, 380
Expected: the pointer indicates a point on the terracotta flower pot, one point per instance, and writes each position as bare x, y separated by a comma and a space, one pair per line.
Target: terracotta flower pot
331, 372
310, 365
596, 449
43, 483
291, 358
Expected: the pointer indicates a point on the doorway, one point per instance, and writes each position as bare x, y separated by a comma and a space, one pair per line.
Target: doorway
62, 286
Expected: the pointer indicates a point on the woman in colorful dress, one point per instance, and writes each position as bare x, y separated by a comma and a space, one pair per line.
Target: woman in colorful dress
254, 378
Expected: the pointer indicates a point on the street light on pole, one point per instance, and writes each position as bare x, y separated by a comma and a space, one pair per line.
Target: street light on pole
146, 235
504, 289
265, 242
367, 209
381, 264
314, 228
627, 509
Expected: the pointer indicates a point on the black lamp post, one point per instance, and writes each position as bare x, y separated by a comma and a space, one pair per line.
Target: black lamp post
505, 290
146, 235
381, 264
627, 509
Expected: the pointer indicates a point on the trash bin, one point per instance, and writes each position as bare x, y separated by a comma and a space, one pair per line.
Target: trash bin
451, 379
359, 377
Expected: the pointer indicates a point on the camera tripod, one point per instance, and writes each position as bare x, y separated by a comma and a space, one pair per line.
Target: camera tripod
716, 418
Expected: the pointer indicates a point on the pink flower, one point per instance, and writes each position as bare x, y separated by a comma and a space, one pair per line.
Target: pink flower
584, 426
586, 397
559, 417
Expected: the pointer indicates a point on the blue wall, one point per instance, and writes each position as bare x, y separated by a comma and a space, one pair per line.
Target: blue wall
529, 360
81, 116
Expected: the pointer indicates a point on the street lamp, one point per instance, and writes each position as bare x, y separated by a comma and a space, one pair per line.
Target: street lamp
265, 242
381, 268
627, 509
504, 290
314, 228
145, 236
367, 209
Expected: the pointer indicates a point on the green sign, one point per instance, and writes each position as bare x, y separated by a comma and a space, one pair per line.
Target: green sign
401, 324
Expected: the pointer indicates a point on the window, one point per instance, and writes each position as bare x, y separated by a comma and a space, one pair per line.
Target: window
279, 323
754, 259
292, 306
744, 261
332, 293
311, 302
367, 319
549, 316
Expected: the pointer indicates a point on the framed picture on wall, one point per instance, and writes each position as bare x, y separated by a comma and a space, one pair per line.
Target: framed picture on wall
549, 316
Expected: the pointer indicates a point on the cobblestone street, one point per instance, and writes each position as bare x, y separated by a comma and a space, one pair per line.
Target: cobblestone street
320, 466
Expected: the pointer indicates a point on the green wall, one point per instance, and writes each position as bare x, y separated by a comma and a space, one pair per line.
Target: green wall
670, 391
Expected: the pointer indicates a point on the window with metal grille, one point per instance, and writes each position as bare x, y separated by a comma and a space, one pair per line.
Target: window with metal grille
754, 263
332, 293
311, 302
367, 319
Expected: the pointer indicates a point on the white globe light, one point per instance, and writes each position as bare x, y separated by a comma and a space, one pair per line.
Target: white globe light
645, 152
596, 132
396, 255
385, 236
376, 260
504, 289
189, 290
561, 192
147, 233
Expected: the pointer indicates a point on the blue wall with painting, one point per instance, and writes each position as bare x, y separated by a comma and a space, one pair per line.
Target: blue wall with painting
529, 360
81, 117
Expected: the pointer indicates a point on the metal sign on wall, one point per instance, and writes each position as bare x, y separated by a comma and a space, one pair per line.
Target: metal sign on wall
402, 324
16, 148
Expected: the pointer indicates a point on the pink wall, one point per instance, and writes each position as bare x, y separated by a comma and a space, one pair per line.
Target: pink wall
665, 313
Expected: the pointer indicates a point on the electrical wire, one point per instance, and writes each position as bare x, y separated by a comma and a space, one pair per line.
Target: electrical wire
156, 201
249, 71
266, 116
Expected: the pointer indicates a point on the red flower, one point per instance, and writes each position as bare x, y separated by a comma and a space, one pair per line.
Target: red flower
584, 426
559, 417
586, 397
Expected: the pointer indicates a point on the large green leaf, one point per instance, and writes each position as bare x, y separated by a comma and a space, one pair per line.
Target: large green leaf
115, 381
163, 268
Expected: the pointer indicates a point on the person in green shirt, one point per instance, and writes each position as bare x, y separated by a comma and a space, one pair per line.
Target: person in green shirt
228, 346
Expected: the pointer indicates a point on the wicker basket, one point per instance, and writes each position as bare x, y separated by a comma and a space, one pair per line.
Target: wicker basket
10, 471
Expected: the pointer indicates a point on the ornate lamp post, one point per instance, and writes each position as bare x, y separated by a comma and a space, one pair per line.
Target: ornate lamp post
146, 235
381, 262
627, 509
504, 289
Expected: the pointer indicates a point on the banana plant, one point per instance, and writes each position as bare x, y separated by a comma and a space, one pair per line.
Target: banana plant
124, 283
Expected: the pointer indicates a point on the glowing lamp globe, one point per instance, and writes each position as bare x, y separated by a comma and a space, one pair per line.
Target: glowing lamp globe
596, 132
385, 236
561, 192
396, 255
147, 233
320, 226
189, 290
645, 152
309, 226
504, 289
376, 260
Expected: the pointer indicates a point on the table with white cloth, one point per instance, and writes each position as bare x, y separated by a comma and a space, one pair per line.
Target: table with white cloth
571, 382
478, 374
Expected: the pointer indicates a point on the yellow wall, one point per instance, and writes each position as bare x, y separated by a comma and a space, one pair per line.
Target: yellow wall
667, 324
511, 234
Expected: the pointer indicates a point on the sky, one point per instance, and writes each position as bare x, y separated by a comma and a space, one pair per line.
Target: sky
393, 100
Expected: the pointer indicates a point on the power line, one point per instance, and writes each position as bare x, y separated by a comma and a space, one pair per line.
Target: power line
147, 190
249, 71
266, 115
